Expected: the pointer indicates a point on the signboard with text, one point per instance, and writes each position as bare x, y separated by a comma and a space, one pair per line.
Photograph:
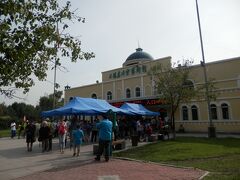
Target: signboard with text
144, 102
138, 69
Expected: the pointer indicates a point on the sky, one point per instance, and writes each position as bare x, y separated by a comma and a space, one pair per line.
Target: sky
115, 28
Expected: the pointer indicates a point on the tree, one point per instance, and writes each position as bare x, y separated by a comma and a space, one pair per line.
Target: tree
46, 102
30, 41
19, 109
3, 109
31, 112
174, 86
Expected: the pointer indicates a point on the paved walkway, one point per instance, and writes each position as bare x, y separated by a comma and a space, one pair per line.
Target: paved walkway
17, 163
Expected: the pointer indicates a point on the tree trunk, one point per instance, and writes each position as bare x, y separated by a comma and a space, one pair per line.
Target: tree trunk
173, 122
173, 126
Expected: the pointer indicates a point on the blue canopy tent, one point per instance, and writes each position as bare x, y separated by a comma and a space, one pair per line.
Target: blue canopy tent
84, 106
138, 109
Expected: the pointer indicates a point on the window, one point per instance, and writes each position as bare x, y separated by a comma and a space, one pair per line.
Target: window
138, 92
225, 111
185, 113
128, 93
194, 112
94, 96
109, 95
214, 111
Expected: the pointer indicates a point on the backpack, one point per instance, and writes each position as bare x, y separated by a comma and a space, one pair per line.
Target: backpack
61, 130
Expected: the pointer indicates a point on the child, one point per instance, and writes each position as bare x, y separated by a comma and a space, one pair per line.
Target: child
77, 140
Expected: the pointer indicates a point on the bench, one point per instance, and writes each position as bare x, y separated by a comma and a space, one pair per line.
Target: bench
119, 144
116, 145
160, 137
152, 138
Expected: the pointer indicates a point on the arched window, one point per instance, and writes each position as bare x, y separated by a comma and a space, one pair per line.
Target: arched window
214, 111
128, 93
194, 112
185, 113
109, 95
225, 111
138, 92
94, 96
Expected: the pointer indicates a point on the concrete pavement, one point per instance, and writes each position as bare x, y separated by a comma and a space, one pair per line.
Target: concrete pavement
17, 163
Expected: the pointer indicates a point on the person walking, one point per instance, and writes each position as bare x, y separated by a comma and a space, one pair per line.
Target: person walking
30, 135
71, 128
13, 129
105, 136
94, 131
62, 131
44, 132
19, 130
77, 135
50, 136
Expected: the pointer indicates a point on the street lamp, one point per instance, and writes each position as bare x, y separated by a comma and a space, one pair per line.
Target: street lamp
54, 85
55, 71
211, 128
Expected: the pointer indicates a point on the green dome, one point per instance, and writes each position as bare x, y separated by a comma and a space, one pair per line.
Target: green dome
139, 54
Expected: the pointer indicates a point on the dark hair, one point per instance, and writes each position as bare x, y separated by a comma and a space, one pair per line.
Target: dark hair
78, 126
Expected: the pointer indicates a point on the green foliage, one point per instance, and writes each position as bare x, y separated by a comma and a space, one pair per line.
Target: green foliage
5, 121
173, 85
219, 156
3, 109
17, 111
22, 109
5, 133
30, 41
46, 102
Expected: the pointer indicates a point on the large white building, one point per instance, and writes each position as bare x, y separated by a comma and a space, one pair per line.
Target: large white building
131, 83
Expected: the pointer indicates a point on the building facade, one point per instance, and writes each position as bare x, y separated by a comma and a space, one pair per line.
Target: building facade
132, 83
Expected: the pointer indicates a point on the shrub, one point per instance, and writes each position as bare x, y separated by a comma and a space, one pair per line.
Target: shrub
5, 121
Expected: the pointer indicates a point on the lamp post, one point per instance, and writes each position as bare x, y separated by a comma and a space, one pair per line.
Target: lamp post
54, 84
55, 71
211, 128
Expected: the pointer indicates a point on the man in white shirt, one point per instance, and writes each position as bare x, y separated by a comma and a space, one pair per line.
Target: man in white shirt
13, 129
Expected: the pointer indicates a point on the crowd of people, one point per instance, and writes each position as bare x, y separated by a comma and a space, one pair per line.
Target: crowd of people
142, 127
73, 132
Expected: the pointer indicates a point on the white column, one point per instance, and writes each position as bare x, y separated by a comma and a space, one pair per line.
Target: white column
102, 91
123, 89
152, 88
114, 90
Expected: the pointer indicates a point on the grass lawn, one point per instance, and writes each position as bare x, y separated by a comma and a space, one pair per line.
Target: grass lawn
5, 133
221, 157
